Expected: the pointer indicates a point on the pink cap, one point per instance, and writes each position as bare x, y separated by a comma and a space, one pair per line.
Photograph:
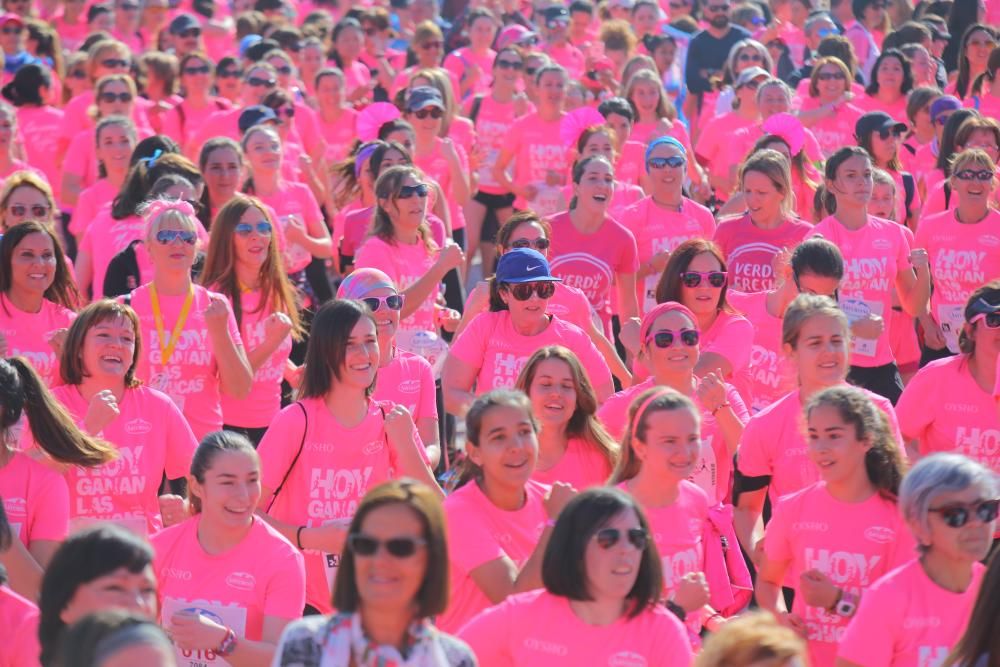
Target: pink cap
8, 17
513, 34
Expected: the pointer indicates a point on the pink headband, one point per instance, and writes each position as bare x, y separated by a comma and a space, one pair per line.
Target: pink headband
659, 309
659, 393
156, 207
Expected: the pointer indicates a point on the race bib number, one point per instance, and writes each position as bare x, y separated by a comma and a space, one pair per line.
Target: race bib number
230, 616
951, 320
859, 309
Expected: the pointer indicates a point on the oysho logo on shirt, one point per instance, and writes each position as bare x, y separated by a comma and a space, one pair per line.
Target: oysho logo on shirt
409, 386
138, 426
373, 447
242, 581
989, 240
815, 526
881, 244
627, 659
543, 646
15, 506
880, 534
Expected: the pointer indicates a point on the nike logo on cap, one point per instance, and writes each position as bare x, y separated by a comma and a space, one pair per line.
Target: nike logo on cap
532, 268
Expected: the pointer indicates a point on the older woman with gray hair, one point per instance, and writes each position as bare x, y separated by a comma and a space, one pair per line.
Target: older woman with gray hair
916, 613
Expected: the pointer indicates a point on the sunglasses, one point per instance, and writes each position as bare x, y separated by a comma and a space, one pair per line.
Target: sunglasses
398, 547
197, 69
77, 74
11, 30
552, 24
433, 112
665, 338
663, 162
392, 302
257, 82
974, 175
37, 211
128, 7
246, 229
886, 132
168, 236
992, 320
430, 46
109, 98
530, 71
229, 73
515, 65
537, 244
752, 85
609, 537
831, 76
523, 291
956, 516
287, 112
826, 32
115, 63
717, 8
284, 70
189, 33
751, 57
693, 278
407, 191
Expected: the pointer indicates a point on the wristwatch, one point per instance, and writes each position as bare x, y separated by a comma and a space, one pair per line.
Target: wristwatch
846, 604
227, 645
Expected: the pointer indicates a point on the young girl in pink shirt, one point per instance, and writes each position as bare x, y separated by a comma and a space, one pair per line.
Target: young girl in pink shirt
573, 446
229, 582
499, 519
916, 613
837, 537
321, 455
116, 139
35, 497
37, 297
602, 581
654, 113
403, 377
491, 352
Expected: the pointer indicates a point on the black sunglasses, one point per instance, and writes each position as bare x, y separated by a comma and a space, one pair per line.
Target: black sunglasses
392, 302
523, 291
956, 516
433, 112
197, 69
190, 32
419, 190
886, 132
113, 63
256, 82
664, 338
108, 98
661, 162
515, 65
974, 175
229, 73
538, 244
693, 278
398, 547
530, 71
609, 537
284, 70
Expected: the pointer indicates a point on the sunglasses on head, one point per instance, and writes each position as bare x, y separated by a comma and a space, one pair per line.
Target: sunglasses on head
523, 291
189, 33
37, 211
129, 7
752, 85
392, 302
539, 244
114, 63
229, 73
974, 175
510, 64
109, 98
830, 76
246, 229
992, 320
956, 516
609, 537
419, 190
693, 278
398, 547
662, 162
168, 236
257, 82
197, 69
433, 112
665, 338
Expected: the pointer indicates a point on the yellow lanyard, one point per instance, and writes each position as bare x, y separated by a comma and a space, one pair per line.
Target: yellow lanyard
167, 351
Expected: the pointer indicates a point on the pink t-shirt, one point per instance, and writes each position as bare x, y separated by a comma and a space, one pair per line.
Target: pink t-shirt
459, 60
40, 128
294, 199
20, 618
28, 335
335, 469
728, 337
538, 629
677, 530
404, 264
962, 257
538, 148
570, 57
897, 110
36, 500
491, 344
644, 133
261, 576
480, 532
191, 378
657, 229
567, 303
905, 619
264, 401
493, 126
631, 166
750, 250
408, 380
104, 238
836, 132
774, 443
91, 200
715, 466
923, 159
592, 262
769, 376
81, 158
339, 135
436, 165
77, 117
581, 465
183, 120
854, 544
962, 420
152, 438
740, 143
711, 143
873, 255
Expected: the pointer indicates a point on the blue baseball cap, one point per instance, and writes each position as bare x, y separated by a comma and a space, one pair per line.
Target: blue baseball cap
524, 265
257, 114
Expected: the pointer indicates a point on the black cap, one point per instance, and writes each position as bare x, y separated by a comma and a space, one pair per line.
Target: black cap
555, 13
876, 121
256, 115
182, 23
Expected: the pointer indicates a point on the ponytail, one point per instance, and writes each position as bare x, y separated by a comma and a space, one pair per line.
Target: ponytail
654, 399
23, 392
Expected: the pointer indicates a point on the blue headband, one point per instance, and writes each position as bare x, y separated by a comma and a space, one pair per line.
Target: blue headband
659, 141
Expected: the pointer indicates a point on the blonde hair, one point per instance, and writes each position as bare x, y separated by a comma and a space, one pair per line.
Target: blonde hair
778, 170
752, 639
969, 156
25, 178
804, 308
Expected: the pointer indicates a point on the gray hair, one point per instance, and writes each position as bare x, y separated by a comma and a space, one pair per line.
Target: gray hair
936, 475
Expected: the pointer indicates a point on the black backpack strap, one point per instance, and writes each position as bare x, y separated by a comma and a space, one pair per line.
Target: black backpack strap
910, 188
947, 195
477, 104
302, 444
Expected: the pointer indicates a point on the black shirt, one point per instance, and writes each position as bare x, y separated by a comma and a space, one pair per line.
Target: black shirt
706, 56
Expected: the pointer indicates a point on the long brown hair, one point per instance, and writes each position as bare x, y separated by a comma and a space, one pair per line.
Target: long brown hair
387, 189
980, 637
583, 423
62, 290
669, 286
219, 272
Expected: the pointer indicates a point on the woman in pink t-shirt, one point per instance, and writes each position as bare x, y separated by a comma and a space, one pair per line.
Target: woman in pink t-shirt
602, 582
601, 140
37, 297
499, 520
828, 110
403, 377
573, 446
837, 537
35, 497
973, 132
221, 165
335, 118
322, 454
491, 352
229, 582
38, 123
116, 139
916, 613
348, 40
472, 63
891, 81
243, 264
882, 135
752, 241
183, 120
